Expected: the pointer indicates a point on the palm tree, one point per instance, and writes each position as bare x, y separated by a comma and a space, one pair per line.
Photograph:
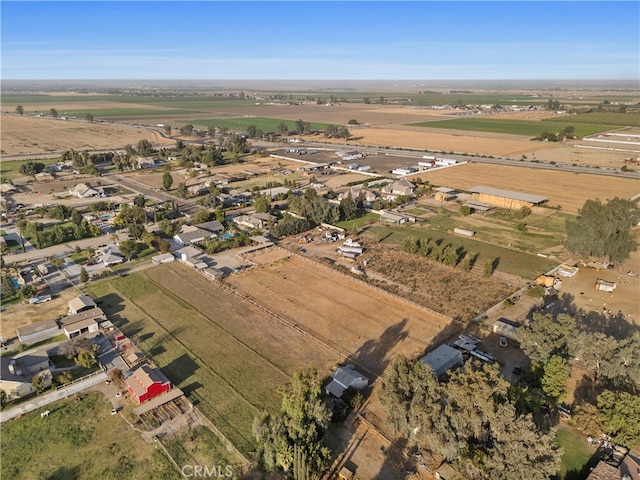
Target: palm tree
23, 226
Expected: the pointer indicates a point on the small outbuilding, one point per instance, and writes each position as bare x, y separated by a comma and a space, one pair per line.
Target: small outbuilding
38, 331
343, 378
443, 359
505, 329
80, 304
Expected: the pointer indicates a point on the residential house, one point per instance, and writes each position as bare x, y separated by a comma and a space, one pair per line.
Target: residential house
194, 234
80, 304
343, 378
110, 255
163, 258
146, 162
198, 189
85, 322
83, 190
399, 187
17, 372
443, 359
146, 383
257, 221
44, 177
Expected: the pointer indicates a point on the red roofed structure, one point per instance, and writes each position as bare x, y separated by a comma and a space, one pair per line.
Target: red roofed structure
146, 383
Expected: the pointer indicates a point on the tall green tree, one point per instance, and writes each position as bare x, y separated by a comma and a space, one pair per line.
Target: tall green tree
621, 415
603, 231
167, 180
546, 336
53, 112
294, 436
19, 109
186, 130
128, 248
555, 377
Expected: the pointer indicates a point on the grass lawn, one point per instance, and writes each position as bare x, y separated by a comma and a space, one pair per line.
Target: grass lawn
363, 219
79, 440
3, 233
576, 459
121, 112
529, 128
13, 245
11, 170
230, 380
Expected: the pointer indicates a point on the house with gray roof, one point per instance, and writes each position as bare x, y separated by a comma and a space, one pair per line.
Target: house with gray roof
343, 378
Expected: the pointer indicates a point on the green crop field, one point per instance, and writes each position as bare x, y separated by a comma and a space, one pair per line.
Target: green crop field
218, 349
121, 112
516, 127
609, 118
241, 123
79, 440
578, 454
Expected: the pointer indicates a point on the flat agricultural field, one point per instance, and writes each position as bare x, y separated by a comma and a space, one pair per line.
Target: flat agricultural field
372, 326
516, 127
79, 440
36, 136
569, 190
226, 354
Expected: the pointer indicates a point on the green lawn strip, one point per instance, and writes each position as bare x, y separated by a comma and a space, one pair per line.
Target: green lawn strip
241, 123
516, 127
78, 440
261, 183
3, 233
10, 169
510, 261
14, 245
360, 221
577, 458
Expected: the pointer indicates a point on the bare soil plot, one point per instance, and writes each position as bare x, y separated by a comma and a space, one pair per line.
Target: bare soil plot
372, 326
33, 136
570, 190
449, 290
23, 314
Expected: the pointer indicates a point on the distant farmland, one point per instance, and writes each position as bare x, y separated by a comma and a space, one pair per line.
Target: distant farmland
241, 123
610, 118
517, 127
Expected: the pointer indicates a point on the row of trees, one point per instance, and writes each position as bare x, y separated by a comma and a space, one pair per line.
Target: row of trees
471, 419
42, 237
565, 134
337, 131
448, 255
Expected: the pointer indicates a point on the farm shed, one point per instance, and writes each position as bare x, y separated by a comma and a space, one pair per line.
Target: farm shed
80, 304
17, 372
442, 359
605, 286
146, 383
505, 329
164, 258
464, 231
343, 378
567, 271
38, 331
75, 328
396, 218
506, 198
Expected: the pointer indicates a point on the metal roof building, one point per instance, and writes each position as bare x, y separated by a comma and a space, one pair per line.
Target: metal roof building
506, 198
443, 359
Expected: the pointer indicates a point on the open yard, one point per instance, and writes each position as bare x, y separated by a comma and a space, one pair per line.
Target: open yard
35, 136
226, 354
79, 440
372, 327
569, 190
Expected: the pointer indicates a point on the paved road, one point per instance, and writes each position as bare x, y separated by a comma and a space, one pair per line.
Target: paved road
45, 400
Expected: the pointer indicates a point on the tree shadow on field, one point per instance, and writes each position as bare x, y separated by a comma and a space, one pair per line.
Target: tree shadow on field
598, 319
181, 368
65, 473
372, 355
111, 304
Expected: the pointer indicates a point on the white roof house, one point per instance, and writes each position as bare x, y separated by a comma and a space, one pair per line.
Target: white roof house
83, 190
80, 304
442, 359
343, 378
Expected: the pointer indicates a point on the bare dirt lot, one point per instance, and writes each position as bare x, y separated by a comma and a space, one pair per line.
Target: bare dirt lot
35, 136
570, 190
372, 326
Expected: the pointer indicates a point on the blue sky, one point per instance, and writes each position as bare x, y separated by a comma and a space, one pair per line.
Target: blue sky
320, 40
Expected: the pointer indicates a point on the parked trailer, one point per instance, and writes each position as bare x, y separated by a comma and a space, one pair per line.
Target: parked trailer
605, 286
356, 250
464, 231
